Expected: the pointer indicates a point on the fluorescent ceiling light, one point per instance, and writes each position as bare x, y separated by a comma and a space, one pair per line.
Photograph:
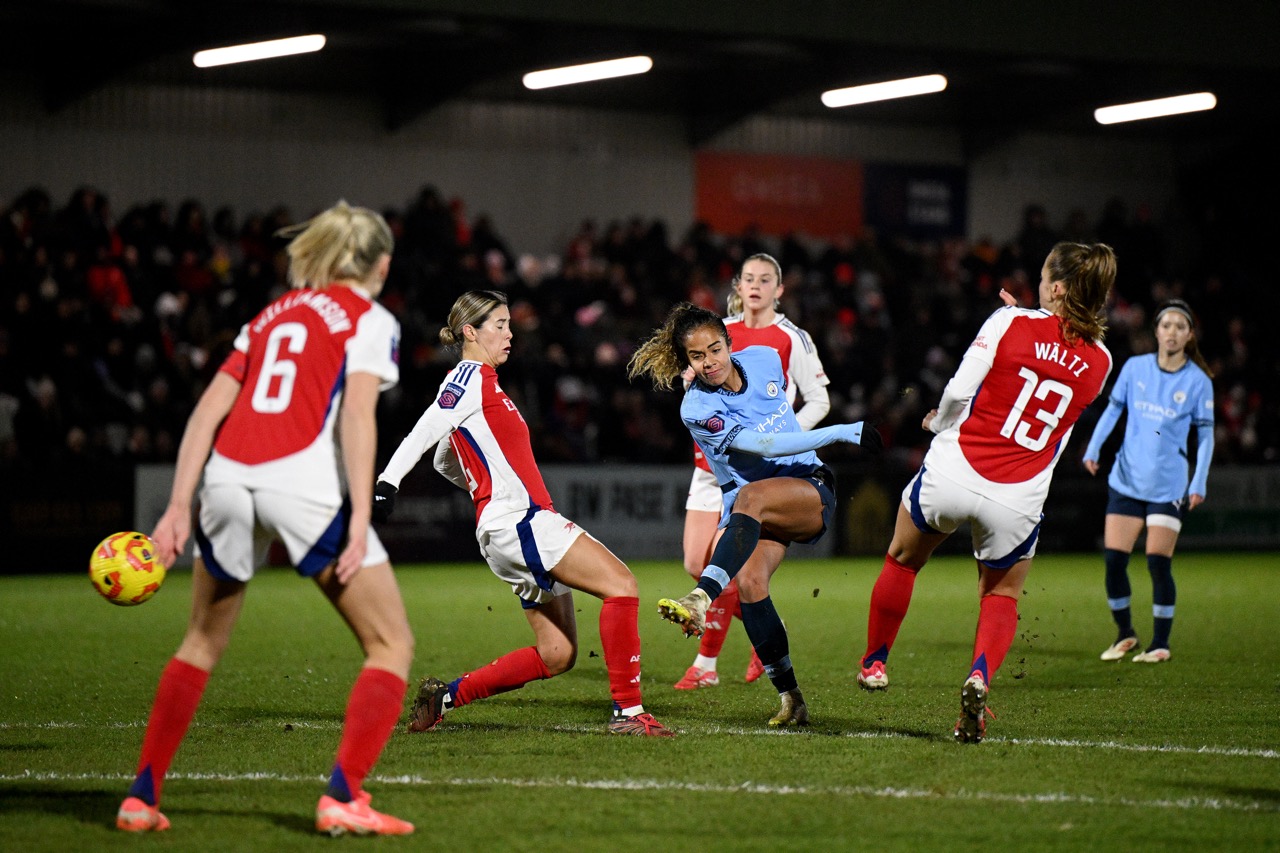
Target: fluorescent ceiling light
586, 73
1155, 109
257, 50
884, 91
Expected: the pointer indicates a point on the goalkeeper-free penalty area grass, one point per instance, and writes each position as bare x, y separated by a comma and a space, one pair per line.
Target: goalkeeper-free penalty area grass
1081, 755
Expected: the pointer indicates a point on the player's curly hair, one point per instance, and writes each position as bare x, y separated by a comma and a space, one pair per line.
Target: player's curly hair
343, 243
470, 309
1087, 272
663, 358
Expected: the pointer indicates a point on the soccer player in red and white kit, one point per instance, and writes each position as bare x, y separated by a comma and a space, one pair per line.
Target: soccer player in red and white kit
315, 358
753, 320
1001, 426
481, 443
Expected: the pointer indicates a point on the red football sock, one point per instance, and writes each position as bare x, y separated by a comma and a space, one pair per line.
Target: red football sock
509, 672
620, 637
719, 617
177, 697
890, 598
997, 626
372, 711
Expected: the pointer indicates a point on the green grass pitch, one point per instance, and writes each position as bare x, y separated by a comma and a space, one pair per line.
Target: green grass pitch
1083, 755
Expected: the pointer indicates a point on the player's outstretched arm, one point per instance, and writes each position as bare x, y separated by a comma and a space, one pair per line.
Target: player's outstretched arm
789, 443
426, 434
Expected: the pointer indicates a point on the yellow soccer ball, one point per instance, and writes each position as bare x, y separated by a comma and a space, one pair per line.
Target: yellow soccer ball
124, 569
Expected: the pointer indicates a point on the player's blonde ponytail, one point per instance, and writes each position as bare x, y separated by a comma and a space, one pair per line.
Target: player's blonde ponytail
343, 243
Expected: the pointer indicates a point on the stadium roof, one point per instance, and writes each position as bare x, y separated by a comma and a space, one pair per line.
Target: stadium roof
1014, 67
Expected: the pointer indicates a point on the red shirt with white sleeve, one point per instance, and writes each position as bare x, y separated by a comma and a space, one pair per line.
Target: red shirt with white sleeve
1006, 415
292, 361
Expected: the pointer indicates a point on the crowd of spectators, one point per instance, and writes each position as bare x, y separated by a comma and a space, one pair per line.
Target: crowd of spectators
110, 326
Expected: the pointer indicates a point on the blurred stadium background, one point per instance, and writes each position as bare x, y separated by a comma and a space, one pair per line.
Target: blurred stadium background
140, 193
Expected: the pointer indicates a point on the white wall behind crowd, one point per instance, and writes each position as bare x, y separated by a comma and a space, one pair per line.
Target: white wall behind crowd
536, 171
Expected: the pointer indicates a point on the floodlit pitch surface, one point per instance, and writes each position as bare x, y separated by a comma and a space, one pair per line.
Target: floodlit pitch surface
1083, 755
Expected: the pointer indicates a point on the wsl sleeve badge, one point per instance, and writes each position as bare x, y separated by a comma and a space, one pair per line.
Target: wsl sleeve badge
124, 569
450, 396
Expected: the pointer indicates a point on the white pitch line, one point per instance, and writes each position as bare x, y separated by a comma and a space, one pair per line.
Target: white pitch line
1138, 747
861, 791
1061, 743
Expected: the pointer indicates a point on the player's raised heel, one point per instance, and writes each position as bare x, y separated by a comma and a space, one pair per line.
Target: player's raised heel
689, 612
755, 668
794, 711
428, 706
1120, 648
873, 677
695, 678
972, 726
137, 816
336, 818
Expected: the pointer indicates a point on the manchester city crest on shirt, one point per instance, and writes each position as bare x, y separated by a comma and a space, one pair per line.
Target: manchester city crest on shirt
1179, 397
771, 389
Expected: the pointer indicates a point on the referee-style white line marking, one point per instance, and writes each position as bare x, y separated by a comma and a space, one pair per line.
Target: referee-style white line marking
883, 792
1170, 749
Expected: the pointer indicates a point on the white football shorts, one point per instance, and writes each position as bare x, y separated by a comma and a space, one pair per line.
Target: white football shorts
704, 493
1001, 536
523, 553
236, 525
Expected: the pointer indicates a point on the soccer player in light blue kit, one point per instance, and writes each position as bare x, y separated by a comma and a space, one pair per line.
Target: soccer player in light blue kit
776, 489
1165, 394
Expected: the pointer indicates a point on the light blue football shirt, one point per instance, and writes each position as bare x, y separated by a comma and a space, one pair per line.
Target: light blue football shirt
715, 415
1152, 463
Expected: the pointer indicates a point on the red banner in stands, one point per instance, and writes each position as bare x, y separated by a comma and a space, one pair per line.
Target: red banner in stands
810, 195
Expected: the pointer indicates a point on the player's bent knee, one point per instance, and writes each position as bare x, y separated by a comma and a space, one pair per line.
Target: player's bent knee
559, 659
910, 558
627, 586
752, 588
620, 581
750, 501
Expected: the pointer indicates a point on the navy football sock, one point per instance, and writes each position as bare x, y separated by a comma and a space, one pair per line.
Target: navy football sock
740, 537
1164, 594
1119, 593
769, 637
